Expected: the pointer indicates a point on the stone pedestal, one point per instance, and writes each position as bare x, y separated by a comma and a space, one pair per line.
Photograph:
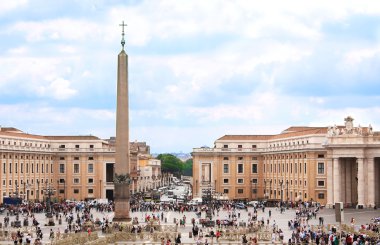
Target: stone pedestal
122, 203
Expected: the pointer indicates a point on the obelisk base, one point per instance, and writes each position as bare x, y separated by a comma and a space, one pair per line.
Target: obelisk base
122, 203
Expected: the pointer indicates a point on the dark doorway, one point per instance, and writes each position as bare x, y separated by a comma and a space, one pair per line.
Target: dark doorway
109, 195
109, 172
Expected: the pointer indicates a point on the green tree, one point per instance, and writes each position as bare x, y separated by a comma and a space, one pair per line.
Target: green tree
188, 167
171, 164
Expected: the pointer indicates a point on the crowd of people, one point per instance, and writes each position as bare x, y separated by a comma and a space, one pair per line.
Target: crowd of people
227, 217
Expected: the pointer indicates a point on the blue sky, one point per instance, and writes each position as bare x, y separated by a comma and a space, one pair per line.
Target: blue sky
197, 69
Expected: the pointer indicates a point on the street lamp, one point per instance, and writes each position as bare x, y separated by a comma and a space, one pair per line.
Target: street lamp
265, 189
49, 191
287, 193
209, 203
270, 189
282, 193
38, 190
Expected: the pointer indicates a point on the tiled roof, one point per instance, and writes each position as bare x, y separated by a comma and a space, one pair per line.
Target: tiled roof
22, 135
245, 137
290, 132
79, 137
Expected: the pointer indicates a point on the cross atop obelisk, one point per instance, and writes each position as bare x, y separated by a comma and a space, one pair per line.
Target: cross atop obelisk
122, 33
122, 178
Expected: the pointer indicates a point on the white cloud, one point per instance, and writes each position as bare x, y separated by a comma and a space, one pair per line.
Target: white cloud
59, 29
7, 6
58, 89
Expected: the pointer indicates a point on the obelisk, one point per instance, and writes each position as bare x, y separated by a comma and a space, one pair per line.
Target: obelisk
122, 178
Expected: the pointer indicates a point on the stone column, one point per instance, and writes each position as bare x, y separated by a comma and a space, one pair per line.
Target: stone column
348, 182
329, 184
361, 181
337, 187
371, 182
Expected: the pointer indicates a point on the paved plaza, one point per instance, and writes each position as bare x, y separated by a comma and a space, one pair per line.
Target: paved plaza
280, 219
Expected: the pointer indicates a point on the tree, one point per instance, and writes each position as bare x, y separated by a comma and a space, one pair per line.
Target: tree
188, 167
170, 164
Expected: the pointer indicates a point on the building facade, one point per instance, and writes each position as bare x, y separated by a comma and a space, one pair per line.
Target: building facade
75, 167
322, 164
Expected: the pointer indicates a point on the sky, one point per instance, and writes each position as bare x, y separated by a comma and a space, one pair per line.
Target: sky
197, 69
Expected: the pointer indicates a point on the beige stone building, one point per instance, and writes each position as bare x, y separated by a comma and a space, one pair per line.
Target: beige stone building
75, 167
322, 164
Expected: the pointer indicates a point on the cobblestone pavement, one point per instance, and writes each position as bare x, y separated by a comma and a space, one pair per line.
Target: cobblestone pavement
361, 216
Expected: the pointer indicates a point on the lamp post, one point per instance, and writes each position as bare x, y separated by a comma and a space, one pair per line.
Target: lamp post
287, 193
49, 191
265, 189
209, 203
38, 190
270, 189
64, 189
282, 193
100, 188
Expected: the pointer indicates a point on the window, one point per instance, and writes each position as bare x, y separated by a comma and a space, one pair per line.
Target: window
76, 168
321, 168
22, 167
61, 191
254, 181
61, 158
42, 168
51, 168
254, 168
16, 167
27, 168
76, 191
62, 146
90, 168
225, 168
240, 191
305, 195
225, 181
76, 146
254, 191
225, 158
321, 183
321, 156
10, 167
321, 195
305, 167
225, 146
76, 181
90, 191
254, 146
225, 191
61, 181
76, 158
240, 168
37, 167
90, 158
91, 146
4, 166
240, 158
90, 180
254, 158
240, 147
240, 181
61, 168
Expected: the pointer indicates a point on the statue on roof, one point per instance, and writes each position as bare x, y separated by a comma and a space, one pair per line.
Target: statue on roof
370, 130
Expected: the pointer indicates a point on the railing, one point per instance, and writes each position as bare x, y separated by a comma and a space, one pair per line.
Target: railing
42, 149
